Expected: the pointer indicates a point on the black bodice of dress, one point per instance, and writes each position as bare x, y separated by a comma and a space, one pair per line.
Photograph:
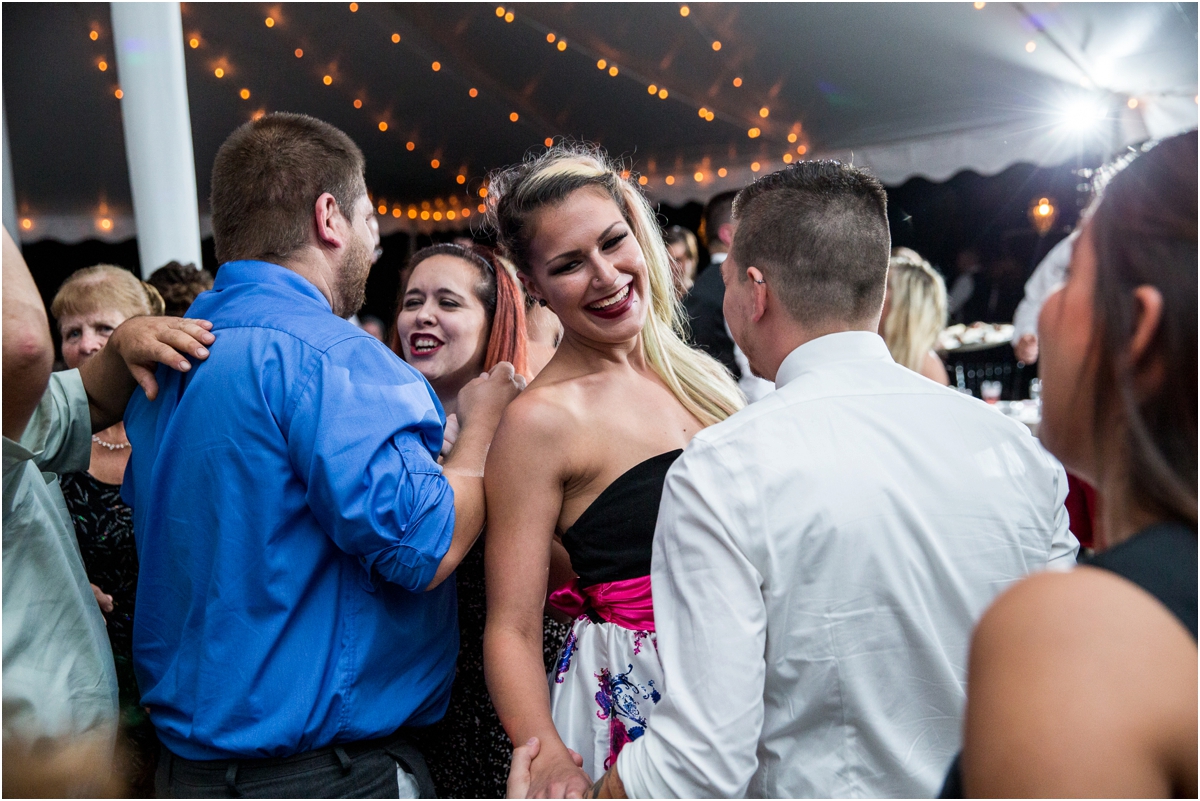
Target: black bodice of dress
613, 538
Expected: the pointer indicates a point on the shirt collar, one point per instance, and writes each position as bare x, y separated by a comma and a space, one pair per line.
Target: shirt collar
844, 346
264, 272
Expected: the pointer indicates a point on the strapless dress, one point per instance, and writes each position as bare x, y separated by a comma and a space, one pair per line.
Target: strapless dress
607, 677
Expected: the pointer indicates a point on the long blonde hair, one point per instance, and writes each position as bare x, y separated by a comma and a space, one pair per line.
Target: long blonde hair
699, 382
917, 309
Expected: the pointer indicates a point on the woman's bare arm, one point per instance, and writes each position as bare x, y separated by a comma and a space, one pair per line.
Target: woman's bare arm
1080, 684
524, 487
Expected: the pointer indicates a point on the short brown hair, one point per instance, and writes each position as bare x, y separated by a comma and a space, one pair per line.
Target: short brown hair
105, 287
818, 230
179, 284
268, 175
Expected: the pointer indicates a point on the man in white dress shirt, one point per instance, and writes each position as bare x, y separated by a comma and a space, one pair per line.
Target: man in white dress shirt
822, 556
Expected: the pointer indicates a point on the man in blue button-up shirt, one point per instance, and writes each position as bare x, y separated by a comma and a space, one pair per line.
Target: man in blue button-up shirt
293, 524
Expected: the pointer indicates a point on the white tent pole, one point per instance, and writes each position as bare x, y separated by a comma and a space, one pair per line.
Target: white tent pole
158, 132
10, 192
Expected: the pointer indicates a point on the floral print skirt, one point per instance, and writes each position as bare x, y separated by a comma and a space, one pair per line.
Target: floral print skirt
603, 689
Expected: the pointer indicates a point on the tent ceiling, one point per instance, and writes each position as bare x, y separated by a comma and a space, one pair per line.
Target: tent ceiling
908, 89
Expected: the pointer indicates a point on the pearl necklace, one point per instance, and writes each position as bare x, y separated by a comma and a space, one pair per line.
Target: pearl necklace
112, 446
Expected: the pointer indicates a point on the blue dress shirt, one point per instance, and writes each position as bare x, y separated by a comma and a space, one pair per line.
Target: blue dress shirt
289, 512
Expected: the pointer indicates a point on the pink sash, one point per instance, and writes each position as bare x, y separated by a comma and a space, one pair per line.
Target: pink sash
626, 603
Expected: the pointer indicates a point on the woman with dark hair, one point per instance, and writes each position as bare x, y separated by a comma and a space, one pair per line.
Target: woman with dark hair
685, 257
1118, 370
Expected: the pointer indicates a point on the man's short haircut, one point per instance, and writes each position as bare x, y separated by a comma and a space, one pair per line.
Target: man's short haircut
818, 231
718, 211
267, 177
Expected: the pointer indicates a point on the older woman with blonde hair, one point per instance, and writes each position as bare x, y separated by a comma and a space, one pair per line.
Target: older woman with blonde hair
89, 306
914, 313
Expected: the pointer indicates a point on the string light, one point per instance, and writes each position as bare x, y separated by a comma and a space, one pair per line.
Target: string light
787, 158
737, 82
548, 142
396, 212
353, 7
437, 65
259, 114
662, 94
465, 213
670, 180
194, 42
382, 208
412, 212
1132, 103
499, 11
437, 216
103, 65
753, 133
684, 11
299, 53
118, 94
220, 73
722, 172
26, 224
562, 45
802, 150
105, 223
703, 112
550, 38
755, 166
652, 89
357, 103
979, 4
483, 191
482, 207
473, 92
710, 116
382, 126
509, 17
612, 71
601, 64
270, 22
461, 179
514, 117
395, 38
1030, 46
410, 146
699, 176
764, 112
245, 94
424, 215
716, 46
643, 180
435, 164
94, 35
792, 137
327, 80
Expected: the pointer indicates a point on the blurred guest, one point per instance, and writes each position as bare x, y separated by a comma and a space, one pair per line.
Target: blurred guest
89, 306
460, 313
914, 313
1046, 278
372, 325
963, 287
60, 687
179, 284
821, 557
293, 614
1118, 344
685, 257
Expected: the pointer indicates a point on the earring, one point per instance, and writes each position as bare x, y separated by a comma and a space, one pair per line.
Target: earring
542, 302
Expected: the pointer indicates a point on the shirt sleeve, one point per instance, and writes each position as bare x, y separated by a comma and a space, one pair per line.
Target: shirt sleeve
711, 621
59, 434
363, 437
1064, 547
1045, 279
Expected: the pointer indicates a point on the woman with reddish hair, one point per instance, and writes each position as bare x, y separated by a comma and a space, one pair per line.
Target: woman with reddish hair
458, 313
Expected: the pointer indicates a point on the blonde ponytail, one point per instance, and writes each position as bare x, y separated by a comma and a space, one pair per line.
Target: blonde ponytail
699, 382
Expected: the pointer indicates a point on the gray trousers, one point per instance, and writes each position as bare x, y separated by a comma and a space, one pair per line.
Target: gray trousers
390, 767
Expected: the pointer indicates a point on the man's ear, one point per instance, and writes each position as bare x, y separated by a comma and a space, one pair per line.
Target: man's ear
329, 222
754, 275
725, 234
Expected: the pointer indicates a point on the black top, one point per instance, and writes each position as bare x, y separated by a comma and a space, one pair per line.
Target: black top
1161, 559
706, 318
613, 538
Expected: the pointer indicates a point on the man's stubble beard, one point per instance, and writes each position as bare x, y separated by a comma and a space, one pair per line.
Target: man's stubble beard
352, 278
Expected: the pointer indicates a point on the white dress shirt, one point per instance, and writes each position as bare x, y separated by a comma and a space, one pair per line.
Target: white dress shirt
1047, 277
819, 562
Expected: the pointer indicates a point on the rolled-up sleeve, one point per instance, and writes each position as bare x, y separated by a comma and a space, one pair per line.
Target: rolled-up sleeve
59, 434
711, 618
362, 438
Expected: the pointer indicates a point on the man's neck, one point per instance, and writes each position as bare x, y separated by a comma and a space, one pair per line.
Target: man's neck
312, 268
781, 339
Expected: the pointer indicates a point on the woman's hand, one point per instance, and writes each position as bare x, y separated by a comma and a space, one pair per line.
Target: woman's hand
450, 435
104, 599
482, 402
520, 772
